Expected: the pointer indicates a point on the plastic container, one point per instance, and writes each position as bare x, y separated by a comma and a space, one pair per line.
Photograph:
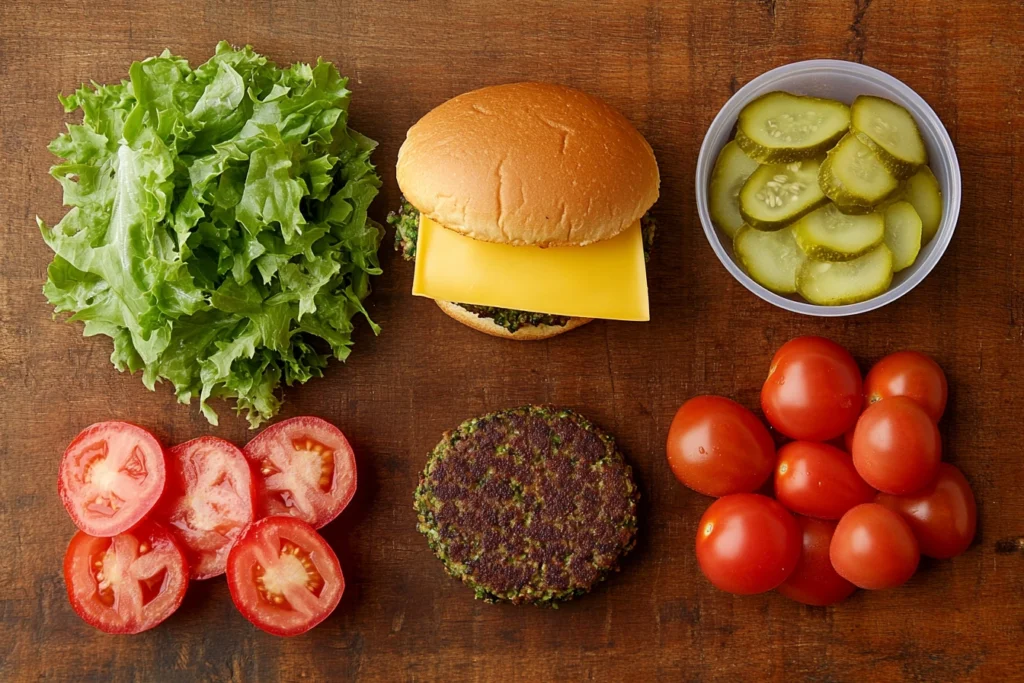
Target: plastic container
842, 81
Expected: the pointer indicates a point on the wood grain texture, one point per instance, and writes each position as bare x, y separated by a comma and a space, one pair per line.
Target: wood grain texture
668, 66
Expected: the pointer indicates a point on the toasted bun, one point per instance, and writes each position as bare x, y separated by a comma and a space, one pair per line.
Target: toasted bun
528, 163
488, 326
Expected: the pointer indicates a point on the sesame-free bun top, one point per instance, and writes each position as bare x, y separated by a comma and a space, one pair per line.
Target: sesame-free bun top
528, 163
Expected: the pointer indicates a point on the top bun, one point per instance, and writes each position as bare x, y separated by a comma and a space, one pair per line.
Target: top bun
528, 163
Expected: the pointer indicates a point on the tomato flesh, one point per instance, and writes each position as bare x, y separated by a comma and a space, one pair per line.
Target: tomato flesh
717, 447
943, 515
111, 476
818, 480
813, 391
128, 583
304, 467
815, 581
910, 374
283, 576
207, 502
747, 543
874, 548
896, 446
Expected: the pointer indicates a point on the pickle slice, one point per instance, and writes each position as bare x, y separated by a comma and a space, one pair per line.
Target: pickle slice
780, 127
773, 259
902, 234
833, 284
890, 131
828, 234
775, 195
732, 168
853, 177
922, 191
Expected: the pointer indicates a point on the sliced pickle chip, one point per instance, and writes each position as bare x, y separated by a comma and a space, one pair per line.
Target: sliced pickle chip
828, 234
853, 177
828, 283
890, 131
780, 127
773, 258
922, 191
775, 195
902, 234
732, 169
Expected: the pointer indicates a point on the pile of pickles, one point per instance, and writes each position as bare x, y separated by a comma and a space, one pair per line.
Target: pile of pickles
823, 199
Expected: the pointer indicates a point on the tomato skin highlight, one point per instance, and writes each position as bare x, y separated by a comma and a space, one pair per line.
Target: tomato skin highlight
717, 447
910, 374
818, 480
747, 543
111, 476
814, 390
943, 515
814, 581
303, 467
874, 548
896, 446
128, 583
207, 502
283, 576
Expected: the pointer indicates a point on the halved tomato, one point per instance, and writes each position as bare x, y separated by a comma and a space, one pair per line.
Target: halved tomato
283, 576
305, 468
207, 502
128, 583
110, 477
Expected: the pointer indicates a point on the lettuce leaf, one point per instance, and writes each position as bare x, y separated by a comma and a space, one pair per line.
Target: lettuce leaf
218, 229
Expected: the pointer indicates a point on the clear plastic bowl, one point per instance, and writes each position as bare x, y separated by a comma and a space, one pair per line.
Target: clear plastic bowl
842, 81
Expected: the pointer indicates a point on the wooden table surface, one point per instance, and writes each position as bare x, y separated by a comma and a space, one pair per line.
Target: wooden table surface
669, 67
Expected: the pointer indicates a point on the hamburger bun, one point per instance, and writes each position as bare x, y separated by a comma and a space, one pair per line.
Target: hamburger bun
525, 333
529, 164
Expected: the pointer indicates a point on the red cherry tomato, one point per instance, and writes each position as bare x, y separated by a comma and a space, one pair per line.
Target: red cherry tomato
910, 374
818, 480
943, 515
111, 476
283, 576
896, 446
874, 548
813, 391
747, 543
305, 468
814, 581
207, 502
128, 583
717, 447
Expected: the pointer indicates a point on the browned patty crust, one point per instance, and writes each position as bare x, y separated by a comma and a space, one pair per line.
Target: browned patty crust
529, 505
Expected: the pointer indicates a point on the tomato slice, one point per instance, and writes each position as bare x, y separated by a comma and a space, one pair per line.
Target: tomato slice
305, 468
283, 576
128, 583
207, 502
110, 477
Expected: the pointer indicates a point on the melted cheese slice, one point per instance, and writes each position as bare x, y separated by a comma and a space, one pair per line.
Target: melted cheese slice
603, 280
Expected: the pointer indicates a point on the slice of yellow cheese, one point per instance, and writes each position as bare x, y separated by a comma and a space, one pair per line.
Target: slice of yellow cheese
603, 280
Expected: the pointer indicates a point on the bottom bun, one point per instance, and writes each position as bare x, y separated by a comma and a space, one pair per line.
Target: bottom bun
524, 333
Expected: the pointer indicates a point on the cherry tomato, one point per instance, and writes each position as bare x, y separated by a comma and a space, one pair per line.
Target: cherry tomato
747, 543
283, 576
718, 447
111, 476
874, 548
896, 446
943, 515
813, 391
818, 480
128, 583
304, 467
207, 502
814, 581
910, 374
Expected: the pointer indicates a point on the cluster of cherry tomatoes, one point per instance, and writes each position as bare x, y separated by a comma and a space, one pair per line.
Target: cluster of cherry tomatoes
152, 519
860, 490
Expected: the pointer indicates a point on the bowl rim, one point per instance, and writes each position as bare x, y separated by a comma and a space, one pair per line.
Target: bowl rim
727, 115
